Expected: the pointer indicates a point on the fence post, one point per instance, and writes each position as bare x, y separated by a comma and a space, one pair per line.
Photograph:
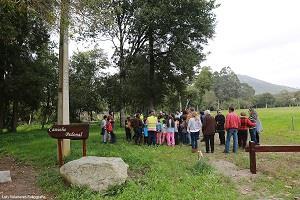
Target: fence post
83, 148
293, 125
252, 157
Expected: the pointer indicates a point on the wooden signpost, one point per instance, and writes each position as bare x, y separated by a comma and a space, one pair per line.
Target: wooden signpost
72, 132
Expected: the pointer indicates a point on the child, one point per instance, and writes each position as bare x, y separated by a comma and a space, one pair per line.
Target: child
128, 129
103, 129
159, 132
243, 130
176, 131
170, 131
145, 130
109, 129
164, 131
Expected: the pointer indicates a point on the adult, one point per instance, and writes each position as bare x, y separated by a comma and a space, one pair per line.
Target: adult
253, 118
220, 128
255, 131
232, 124
128, 129
194, 127
243, 130
209, 129
137, 126
152, 122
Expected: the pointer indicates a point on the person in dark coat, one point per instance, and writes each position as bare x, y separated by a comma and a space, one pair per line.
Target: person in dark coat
220, 121
209, 129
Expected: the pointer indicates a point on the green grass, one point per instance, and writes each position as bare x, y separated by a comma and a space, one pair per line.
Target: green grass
163, 172
155, 172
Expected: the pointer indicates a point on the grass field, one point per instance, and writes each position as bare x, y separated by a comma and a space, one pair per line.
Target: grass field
168, 173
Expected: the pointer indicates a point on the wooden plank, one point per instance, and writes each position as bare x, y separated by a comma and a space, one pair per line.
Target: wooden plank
277, 148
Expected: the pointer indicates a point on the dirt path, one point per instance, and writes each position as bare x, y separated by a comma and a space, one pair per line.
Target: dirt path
23, 185
242, 178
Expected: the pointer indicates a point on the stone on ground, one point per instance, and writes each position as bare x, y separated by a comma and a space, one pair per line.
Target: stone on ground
5, 176
97, 173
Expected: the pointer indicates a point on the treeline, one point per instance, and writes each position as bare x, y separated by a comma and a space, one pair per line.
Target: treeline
214, 90
158, 46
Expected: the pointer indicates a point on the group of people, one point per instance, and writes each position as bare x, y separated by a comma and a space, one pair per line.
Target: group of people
186, 127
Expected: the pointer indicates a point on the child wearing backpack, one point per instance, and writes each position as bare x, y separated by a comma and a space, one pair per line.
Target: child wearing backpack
109, 129
159, 132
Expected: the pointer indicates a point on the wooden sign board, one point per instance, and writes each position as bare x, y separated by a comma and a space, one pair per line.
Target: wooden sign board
72, 132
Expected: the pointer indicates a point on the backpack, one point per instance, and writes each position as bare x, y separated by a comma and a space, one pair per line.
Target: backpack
109, 127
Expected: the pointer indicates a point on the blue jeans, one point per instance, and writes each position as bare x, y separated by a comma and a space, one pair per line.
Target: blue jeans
231, 132
188, 138
151, 137
253, 134
194, 138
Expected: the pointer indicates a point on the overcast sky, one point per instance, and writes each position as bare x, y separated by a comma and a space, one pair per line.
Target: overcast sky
259, 38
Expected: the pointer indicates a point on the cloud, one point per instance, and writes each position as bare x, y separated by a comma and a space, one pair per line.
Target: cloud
258, 38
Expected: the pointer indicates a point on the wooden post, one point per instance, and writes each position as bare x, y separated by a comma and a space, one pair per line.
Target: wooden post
60, 153
83, 148
293, 125
252, 157
63, 63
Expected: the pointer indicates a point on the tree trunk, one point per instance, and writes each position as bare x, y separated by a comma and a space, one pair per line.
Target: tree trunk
122, 72
46, 111
30, 118
1, 114
151, 68
15, 116
180, 103
2, 100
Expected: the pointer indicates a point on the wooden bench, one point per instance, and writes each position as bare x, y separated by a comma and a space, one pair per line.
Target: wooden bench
253, 148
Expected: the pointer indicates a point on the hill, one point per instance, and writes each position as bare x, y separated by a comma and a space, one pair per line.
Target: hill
263, 86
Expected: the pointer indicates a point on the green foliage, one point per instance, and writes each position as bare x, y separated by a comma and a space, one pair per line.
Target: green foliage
86, 80
24, 35
227, 84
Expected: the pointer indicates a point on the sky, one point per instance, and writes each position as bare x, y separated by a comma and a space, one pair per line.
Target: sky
259, 38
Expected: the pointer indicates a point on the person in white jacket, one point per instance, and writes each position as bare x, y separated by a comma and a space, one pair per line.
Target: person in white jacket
194, 128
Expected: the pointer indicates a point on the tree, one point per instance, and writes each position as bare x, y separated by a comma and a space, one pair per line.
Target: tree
226, 84
204, 81
246, 92
264, 100
176, 31
23, 34
85, 79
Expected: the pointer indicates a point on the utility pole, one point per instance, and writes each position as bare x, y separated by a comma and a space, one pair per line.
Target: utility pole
63, 85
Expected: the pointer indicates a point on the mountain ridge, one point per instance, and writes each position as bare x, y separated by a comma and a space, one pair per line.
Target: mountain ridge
261, 86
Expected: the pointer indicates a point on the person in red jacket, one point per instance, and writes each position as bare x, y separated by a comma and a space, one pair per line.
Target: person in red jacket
243, 130
232, 124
